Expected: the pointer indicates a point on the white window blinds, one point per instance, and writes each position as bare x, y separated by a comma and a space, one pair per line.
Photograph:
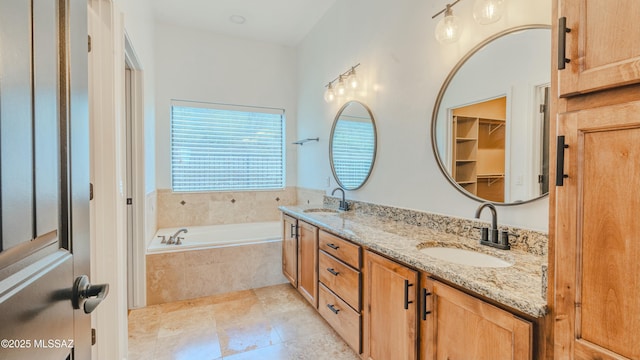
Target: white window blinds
352, 150
222, 148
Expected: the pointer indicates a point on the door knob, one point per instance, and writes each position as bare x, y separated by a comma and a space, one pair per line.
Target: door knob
86, 295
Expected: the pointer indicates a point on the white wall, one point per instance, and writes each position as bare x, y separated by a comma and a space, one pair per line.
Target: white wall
202, 66
138, 24
403, 67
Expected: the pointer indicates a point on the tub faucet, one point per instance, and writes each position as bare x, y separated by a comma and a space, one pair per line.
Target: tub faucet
173, 239
344, 205
491, 236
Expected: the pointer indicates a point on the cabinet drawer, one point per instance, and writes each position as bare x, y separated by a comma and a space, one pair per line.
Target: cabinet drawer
341, 249
344, 320
340, 278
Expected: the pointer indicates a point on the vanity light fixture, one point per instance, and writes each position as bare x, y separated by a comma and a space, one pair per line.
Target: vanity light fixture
329, 94
488, 11
352, 81
340, 88
449, 28
348, 80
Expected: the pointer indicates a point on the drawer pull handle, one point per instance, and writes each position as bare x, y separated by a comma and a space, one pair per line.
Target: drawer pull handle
331, 270
425, 293
406, 294
333, 246
332, 308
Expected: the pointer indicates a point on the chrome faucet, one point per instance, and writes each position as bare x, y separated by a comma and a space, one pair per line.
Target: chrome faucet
174, 239
491, 237
344, 205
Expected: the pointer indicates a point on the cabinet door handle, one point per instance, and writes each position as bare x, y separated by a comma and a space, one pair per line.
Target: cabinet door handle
406, 294
560, 175
332, 308
333, 246
331, 270
562, 43
425, 293
291, 231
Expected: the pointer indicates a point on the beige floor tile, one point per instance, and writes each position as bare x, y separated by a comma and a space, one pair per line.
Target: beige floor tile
280, 298
193, 345
272, 322
323, 347
273, 352
246, 336
299, 324
186, 320
142, 346
239, 311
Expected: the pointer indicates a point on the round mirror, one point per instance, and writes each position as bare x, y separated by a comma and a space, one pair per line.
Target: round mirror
352, 150
490, 124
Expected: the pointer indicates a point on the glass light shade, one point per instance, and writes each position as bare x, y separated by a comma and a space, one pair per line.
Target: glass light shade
340, 88
352, 80
488, 11
329, 94
448, 29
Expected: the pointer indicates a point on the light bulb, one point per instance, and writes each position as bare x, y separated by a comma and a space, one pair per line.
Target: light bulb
329, 94
449, 28
488, 11
353, 79
340, 88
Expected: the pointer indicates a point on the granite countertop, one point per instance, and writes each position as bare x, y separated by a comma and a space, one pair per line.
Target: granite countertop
519, 286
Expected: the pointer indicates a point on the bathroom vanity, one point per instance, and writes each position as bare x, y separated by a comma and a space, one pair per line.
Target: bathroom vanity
378, 288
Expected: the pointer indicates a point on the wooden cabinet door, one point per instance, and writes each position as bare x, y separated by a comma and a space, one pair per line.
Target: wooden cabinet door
603, 46
464, 327
597, 307
390, 309
308, 262
290, 249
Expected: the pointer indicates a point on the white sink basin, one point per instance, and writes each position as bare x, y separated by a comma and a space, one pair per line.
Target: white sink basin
320, 211
465, 257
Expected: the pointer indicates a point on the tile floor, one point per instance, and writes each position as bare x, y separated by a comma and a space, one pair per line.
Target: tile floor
272, 322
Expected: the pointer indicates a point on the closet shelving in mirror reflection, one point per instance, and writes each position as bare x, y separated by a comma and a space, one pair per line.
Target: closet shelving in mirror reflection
342, 84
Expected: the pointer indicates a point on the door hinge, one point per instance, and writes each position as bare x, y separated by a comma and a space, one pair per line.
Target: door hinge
543, 108
89, 42
93, 336
90, 191
540, 179
129, 201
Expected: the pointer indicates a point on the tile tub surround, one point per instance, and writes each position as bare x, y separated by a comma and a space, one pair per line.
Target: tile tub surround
310, 196
177, 209
518, 286
190, 274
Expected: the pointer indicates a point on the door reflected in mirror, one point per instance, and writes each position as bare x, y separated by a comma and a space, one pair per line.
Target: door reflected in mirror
352, 149
489, 128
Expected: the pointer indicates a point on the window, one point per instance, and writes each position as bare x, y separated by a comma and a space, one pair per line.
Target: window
221, 147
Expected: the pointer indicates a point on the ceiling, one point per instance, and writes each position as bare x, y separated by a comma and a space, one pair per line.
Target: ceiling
284, 22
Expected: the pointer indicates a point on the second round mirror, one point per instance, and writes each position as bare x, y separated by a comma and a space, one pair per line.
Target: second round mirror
490, 129
352, 148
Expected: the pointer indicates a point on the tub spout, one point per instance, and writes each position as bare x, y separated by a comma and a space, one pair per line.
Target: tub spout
173, 239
